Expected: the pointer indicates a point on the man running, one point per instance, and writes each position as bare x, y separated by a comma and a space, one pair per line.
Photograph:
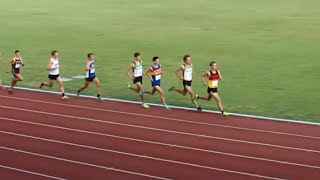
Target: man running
54, 70
154, 73
186, 78
91, 76
136, 67
16, 63
213, 76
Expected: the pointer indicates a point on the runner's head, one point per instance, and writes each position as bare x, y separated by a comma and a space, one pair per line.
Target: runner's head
213, 65
156, 60
137, 56
187, 59
90, 56
17, 53
54, 53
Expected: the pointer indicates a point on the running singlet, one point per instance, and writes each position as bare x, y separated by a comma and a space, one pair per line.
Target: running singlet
213, 79
137, 70
16, 66
156, 74
187, 72
91, 72
55, 65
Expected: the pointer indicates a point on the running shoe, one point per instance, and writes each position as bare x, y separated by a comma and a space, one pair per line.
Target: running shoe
65, 97
40, 85
171, 89
225, 114
10, 91
199, 109
167, 107
196, 97
145, 105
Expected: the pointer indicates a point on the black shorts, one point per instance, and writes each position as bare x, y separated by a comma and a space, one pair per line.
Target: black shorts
214, 90
90, 79
186, 83
137, 79
53, 77
14, 73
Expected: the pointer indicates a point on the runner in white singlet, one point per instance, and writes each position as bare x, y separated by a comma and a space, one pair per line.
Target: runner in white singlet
187, 72
54, 70
136, 77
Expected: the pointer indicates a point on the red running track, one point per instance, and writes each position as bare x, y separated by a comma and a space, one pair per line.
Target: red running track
44, 137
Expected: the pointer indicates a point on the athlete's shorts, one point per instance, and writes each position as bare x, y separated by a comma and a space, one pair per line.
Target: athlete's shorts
15, 72
214, 90
186, 83
53, 77
137, 79
90, 79
155, 83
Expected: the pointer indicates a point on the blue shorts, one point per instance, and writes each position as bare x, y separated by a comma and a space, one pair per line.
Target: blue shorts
155, 83
90, 79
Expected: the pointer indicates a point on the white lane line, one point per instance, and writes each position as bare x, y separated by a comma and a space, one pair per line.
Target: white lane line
82, 163
30, 172
154, 142
166, 118
145, 157
162, 130
180, 107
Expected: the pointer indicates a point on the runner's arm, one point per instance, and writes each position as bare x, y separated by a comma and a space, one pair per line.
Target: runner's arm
87, 68
204, 75
180, 68
148, 74
7, 64
129, 68
22, 62
49, 66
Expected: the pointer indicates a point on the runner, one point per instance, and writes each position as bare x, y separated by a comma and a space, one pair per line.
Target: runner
187, 74
154, 73
16, 63
136, 67
53, 67
91, 76
213, 76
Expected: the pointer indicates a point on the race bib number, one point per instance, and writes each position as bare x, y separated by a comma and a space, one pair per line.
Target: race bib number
138, 72
93, 70
188, 77
214, 83
18, 65
158, 77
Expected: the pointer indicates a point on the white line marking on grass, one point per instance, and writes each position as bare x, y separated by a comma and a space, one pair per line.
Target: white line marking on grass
153, 142
66, 79
79, 77
166, 118
146, 157
30, 172
161, 130
178, 107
